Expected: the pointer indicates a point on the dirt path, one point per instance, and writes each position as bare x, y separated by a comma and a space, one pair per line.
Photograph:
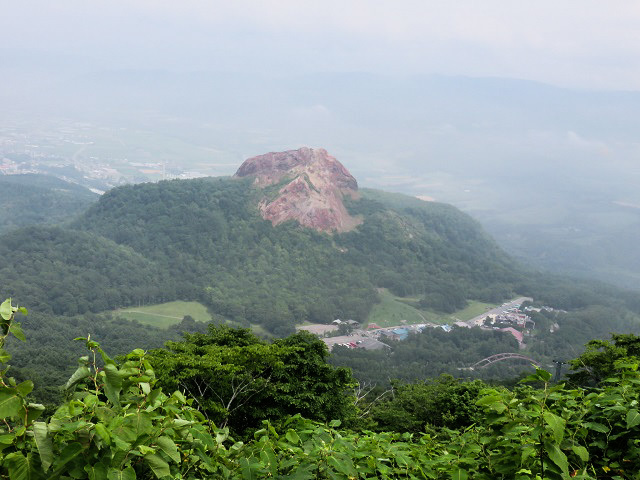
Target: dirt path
154, 314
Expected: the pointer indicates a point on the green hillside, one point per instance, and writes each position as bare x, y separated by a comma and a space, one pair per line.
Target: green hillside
33, 199
203, 240
62, 271
208, 233
145, 248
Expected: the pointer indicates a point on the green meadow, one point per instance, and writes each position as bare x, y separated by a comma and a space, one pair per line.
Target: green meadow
163, 315
393, 310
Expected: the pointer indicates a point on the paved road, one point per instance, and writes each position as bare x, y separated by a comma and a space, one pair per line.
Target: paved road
516, 302
152, 314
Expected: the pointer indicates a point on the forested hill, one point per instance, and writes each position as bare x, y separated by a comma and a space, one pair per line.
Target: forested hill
204, 239
33, 199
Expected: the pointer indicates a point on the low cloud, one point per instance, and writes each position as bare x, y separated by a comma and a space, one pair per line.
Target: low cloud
576, 141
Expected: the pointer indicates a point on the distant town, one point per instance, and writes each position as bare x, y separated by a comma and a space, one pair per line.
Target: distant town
83, 154
507, 318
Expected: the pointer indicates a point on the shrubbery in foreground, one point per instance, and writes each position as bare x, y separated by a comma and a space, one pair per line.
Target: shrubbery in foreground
116, 424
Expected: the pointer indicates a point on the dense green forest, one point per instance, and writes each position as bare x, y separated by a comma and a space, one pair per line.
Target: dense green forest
33, 199
63, 271
204, 240
224, 404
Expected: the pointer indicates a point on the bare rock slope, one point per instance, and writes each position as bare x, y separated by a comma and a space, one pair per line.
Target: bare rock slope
311, 185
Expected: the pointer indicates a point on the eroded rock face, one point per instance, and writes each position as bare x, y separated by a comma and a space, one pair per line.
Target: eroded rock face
313, 187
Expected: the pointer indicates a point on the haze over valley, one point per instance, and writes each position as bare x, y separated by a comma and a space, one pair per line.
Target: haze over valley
319, 240
549, 171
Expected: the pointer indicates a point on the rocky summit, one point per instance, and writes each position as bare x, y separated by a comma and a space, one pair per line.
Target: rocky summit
307, 185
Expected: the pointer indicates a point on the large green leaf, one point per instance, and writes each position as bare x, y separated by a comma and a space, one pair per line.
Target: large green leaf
106, 358
581, 451
34, 410
527, 451
489, 400
96, 472
292, 436
67, 454
103, 432
81, 373
17, 332
25, 388
598, 427
497, 406
633, 418
44, 444
4, 356
540, 376
10, 403
342, 464
169, 448
557, 456
557, 425
133, 426
112, 384
158, 465
6, 310
459, 474
302, 473
247, 469
126, 474
21, 467
543, 375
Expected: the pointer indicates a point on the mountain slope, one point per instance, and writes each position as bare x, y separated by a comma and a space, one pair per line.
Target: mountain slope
61, 271
36, 199
207, 240
210, 235
429, 246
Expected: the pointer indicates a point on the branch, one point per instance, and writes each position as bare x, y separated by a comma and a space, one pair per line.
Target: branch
201, 409
362, 390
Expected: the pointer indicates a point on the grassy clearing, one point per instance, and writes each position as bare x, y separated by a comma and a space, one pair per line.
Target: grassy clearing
392, 310
163, 315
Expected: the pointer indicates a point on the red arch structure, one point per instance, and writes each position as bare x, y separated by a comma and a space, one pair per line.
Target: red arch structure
499, 357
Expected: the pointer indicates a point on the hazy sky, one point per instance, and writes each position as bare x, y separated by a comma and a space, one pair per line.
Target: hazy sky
577, 43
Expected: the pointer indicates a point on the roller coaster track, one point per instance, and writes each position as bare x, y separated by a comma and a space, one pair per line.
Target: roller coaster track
498, 357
